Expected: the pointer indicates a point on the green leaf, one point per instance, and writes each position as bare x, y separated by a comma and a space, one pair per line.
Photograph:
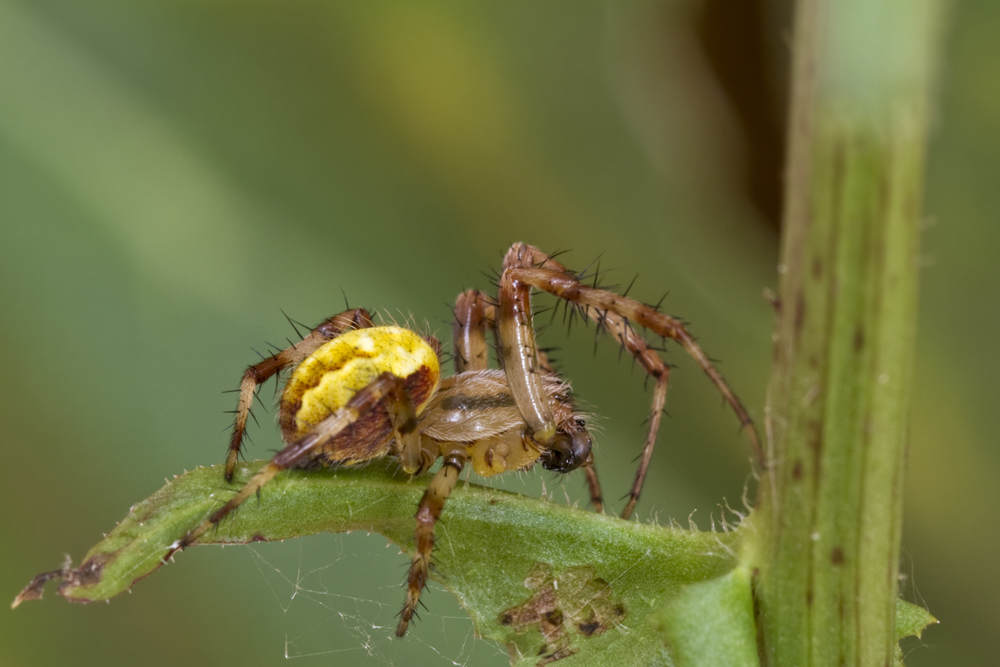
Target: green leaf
910, 622
548, 581
911, 619
712, 623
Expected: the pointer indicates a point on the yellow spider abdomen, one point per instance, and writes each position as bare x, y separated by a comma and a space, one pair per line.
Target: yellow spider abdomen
329, 377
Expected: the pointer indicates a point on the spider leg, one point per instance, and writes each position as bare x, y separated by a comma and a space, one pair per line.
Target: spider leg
517, 348
255, 375
593, 483
473, 314
526, 267
412, 458
385, 385
428, 512
594, 486
659, 400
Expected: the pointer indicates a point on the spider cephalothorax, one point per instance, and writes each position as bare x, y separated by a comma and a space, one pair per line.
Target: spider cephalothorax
358, 392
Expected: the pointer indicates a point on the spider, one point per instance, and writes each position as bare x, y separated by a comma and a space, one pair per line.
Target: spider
360, 392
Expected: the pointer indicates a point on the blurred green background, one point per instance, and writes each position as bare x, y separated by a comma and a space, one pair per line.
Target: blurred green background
173, 174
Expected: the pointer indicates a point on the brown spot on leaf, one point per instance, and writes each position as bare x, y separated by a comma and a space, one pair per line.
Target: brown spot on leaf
837, 556
564, 605
87, 575
89, 572
797, 470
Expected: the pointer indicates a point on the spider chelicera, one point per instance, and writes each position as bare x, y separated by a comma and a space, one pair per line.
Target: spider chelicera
360, 392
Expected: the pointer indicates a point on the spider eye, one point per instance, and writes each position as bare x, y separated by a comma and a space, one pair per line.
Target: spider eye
580, 423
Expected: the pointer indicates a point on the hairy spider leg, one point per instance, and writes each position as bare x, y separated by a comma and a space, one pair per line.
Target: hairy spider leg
474, 312
402, 415
525, 267
428, 512
253, 376
651, 362
594, 487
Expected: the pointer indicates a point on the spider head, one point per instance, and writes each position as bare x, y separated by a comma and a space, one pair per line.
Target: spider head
569, 449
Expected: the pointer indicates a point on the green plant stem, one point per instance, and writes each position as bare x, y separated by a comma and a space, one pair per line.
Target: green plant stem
828, 519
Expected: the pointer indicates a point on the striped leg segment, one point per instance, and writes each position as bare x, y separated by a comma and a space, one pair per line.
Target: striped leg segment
517, 348
404, 424
428, 513
473, 314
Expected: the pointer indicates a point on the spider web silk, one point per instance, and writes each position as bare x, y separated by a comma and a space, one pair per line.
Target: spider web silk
339, 596
329, 607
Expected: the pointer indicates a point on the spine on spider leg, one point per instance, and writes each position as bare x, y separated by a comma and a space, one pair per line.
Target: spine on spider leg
826, 530
248, 387
616, 313
428, 512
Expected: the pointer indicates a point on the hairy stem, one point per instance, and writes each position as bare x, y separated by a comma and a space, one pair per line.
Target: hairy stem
830, 501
